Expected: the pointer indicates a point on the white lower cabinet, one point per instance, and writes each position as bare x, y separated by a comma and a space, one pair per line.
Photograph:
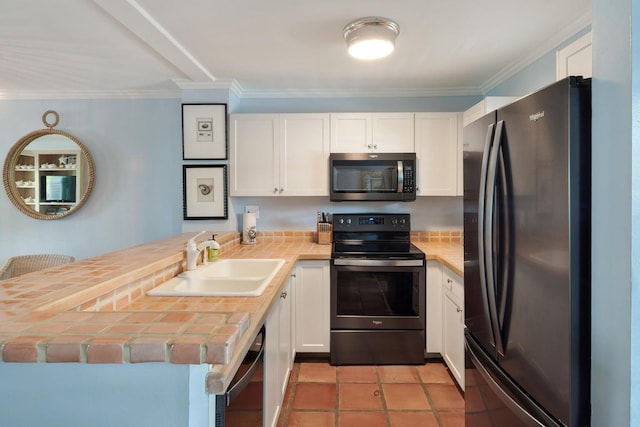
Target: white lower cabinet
278, 356
434, 308
312, 312
453, 324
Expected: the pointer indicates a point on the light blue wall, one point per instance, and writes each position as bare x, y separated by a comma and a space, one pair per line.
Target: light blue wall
136, 147
80, 395
635, 212
615, 215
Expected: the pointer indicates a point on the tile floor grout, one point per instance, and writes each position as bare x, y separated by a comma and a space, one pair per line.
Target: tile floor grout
432, 414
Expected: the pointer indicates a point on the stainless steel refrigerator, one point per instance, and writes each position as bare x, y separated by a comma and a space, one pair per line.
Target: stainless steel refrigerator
527, 186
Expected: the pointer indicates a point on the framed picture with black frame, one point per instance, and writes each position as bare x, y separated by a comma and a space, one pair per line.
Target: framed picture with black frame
204, 192
204, 131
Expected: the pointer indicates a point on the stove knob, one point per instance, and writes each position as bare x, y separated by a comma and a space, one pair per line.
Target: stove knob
348, 220
403, 221
341, 220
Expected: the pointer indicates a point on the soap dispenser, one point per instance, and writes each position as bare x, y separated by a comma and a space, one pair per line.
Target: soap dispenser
214, 249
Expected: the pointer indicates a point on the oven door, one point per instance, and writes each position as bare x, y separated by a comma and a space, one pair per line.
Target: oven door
369, 294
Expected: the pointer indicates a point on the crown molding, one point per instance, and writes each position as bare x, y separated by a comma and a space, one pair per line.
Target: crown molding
232, 85
91, 94
361, 93
548, 46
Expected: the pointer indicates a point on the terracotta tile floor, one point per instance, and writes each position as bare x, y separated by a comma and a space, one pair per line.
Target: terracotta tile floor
321, 395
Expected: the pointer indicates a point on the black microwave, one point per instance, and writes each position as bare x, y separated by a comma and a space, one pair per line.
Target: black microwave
372, 176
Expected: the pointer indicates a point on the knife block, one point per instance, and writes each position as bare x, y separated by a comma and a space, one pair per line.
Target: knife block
324, 233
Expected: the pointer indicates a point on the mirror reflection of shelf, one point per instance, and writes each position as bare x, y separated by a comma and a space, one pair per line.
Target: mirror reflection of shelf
34, 165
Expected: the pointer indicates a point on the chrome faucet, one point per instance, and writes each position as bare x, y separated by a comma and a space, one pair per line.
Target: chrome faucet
194, 250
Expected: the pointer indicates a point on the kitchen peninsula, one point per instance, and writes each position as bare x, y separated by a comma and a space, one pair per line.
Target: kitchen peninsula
94, 314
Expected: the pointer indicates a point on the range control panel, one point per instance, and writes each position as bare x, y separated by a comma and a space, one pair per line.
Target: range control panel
371, 222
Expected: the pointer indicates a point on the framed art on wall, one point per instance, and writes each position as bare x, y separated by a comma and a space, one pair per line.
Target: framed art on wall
204, 192
204, 131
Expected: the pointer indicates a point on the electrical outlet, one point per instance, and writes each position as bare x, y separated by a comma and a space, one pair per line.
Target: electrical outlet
253, 209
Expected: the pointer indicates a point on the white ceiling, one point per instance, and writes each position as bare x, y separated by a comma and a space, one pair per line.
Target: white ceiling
273, 47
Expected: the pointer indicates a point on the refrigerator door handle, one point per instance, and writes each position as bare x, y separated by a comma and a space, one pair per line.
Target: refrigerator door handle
481, 223
491, 285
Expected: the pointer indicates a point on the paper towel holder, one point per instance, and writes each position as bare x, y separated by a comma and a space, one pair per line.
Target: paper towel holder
249, 231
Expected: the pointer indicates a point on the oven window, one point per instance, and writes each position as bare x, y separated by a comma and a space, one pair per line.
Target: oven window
367, 293
370, 177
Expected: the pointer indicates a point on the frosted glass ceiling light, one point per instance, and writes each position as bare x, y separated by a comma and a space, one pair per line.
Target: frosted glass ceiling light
371, 37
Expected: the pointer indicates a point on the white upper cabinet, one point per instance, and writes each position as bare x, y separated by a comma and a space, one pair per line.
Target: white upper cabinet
438, 151
279, 155
254, 161
372, 132
304, 154
485, 106
575, 59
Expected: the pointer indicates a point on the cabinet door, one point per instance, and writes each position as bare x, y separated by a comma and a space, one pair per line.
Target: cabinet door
284, 354
278, 357
253, 165
453, 324
304, 155
312, 311
436, 139
272, 393
393, 132
351, 132
575, 59
434, 307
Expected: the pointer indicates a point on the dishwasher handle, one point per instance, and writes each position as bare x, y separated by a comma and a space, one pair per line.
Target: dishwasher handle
241, 383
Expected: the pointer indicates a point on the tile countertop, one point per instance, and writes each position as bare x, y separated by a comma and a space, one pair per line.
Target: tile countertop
95, 310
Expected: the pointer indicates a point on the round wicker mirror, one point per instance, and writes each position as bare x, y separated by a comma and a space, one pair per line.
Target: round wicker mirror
48, 174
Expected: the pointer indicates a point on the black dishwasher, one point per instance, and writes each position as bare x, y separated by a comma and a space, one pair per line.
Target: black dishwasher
242, 404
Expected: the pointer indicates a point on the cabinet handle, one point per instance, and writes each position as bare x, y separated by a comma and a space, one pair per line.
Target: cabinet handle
293, 275
459, 310
375, 146
369, 146
275, 190
283, 295
281, 190
449, 281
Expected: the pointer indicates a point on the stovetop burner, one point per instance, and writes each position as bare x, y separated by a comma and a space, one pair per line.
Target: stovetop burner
373, 236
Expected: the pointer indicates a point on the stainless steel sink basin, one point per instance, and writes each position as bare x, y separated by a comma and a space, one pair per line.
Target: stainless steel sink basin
225, 277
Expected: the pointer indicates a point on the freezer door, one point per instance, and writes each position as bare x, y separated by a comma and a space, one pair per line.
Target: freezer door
545, 320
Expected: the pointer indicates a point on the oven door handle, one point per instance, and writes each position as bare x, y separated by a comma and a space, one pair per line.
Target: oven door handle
379, 262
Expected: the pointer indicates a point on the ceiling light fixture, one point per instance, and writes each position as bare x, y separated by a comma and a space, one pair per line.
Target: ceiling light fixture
371, 37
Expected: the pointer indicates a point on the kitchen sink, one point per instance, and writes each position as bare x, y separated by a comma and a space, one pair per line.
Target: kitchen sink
225, 277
